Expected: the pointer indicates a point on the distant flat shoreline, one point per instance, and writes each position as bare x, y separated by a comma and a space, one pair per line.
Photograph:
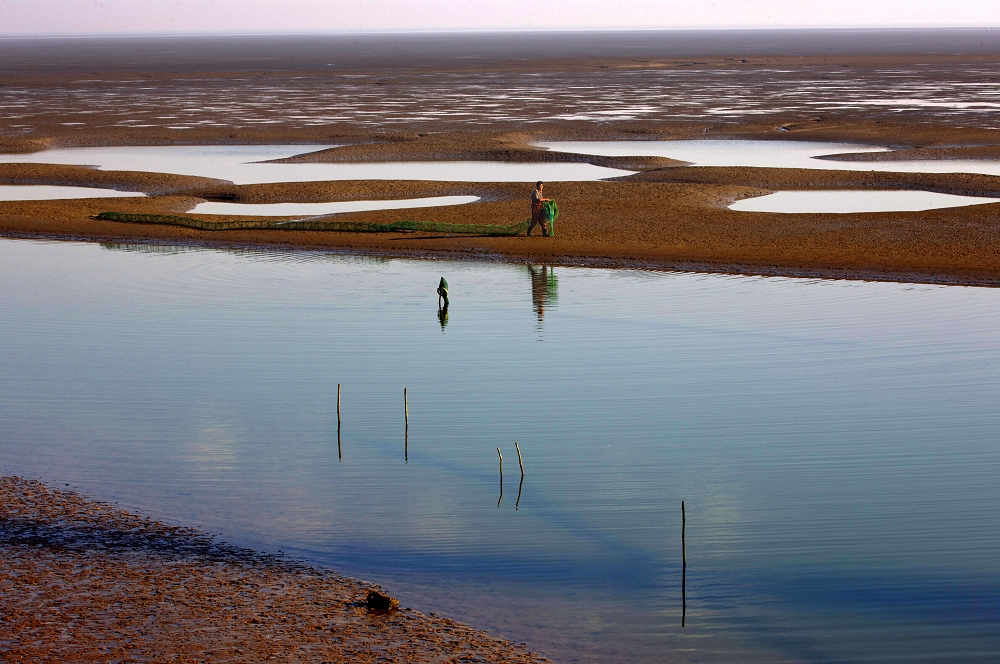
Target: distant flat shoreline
388, 51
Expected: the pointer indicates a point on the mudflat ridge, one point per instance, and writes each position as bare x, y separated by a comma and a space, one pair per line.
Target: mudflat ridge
674, 218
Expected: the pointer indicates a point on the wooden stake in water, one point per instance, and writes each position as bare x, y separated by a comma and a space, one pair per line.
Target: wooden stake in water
519, 458
684, 565
501, 477
406, 408
338, 405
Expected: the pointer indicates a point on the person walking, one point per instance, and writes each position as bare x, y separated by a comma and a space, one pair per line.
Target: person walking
538, 209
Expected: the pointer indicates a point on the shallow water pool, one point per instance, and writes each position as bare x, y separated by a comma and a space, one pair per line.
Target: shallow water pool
44, 192
835, 442
337, 207
770, 154
847, 201
243, 164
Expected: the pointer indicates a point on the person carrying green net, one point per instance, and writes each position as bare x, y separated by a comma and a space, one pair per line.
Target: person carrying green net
539, 214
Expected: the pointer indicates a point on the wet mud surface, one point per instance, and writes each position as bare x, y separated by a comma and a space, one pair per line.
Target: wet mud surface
189, 88
84, 581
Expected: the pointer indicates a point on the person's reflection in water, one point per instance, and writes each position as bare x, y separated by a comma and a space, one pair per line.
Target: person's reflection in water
442, 291
544, 289
443, 316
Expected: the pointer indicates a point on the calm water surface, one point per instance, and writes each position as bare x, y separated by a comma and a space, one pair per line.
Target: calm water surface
848, 201
45, 192
771, 154
335, 207
247, 164
835, 442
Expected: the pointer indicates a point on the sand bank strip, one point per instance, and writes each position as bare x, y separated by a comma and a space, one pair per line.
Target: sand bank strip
666, 216
677, 223
82, 580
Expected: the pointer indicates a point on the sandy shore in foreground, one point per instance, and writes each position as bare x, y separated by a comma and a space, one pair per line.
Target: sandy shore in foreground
82, 581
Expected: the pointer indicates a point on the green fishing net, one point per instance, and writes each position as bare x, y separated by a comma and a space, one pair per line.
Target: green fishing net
323, 223
550, 211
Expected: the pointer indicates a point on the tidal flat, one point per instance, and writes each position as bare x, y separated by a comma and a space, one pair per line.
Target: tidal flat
910, 94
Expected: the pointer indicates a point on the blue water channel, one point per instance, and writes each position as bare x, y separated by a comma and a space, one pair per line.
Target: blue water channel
836, 443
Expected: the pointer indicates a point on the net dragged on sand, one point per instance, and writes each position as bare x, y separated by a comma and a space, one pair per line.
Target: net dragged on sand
405, 225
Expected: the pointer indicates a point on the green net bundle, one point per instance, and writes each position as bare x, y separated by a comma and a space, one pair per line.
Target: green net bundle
550, 211
315, 224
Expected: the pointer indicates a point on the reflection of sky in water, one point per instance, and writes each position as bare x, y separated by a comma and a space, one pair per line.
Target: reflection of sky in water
45, 192
835, 442
770, 154
835, 202
287, 209
235, 163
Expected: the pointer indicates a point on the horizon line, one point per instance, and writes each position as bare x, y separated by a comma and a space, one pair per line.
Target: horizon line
479, 31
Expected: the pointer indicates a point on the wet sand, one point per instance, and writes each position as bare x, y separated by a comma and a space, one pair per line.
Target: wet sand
82, 581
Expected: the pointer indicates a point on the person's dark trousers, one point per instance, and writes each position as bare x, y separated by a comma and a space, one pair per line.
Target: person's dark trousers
538, 218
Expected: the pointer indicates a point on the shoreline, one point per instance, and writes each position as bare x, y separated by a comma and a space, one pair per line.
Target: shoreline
474, 255
97, 582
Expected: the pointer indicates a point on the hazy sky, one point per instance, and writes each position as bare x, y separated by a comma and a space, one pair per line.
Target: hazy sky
27, 17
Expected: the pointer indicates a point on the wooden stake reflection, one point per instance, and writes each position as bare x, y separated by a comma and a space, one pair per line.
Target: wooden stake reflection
521, 484
501, 477
684, 565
